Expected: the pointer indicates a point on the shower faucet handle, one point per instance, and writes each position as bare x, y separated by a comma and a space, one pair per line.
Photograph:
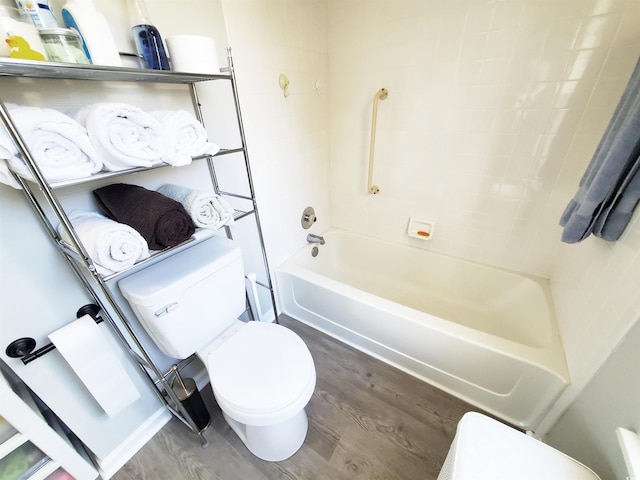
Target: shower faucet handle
308, 218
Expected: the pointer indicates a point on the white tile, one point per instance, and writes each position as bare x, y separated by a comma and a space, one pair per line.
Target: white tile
598, 31
506, 14
504, 42
578, 64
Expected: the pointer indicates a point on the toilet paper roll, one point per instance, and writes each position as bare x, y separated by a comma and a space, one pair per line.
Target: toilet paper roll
87, 351
193, 54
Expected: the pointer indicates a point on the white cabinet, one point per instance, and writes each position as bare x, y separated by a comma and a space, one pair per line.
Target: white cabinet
29, 448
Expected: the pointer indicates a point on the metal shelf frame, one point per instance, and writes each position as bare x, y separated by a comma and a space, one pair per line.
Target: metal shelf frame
75, 254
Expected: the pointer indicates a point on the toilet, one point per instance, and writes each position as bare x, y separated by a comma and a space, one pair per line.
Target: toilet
262, 374
485, 449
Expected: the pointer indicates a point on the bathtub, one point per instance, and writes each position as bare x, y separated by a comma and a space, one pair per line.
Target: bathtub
485, 335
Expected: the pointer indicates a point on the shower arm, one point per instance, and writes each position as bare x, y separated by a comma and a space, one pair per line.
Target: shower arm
380, 95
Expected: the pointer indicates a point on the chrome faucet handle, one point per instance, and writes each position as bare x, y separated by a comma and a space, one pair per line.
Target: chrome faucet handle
308, 218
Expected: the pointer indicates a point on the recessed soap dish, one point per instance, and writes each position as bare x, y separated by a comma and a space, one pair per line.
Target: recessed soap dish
422, 229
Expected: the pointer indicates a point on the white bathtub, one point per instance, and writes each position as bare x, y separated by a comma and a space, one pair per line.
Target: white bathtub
485, 335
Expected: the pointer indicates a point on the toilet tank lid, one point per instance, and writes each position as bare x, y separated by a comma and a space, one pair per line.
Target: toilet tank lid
151, 285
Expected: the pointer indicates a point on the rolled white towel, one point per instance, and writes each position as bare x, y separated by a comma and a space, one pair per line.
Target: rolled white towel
59, 145
112, 246
5, 174
124, 135
186, 137
206, 209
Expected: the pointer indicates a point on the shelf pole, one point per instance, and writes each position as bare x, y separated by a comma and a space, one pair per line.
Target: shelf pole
236, 99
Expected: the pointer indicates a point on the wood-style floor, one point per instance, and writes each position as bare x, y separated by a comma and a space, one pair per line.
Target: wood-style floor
367, 420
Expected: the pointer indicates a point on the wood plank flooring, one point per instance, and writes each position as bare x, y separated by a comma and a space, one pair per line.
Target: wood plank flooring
367, 420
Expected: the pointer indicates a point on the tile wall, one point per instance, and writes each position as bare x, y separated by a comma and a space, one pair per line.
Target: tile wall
478, 132
287, 137
494, 111
595, 287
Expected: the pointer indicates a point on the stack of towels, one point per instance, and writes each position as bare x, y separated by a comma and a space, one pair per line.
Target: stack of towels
103, 136
161, 221
115, 137
137, 220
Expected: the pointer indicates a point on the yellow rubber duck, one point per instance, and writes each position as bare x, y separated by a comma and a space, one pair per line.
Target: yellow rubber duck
20, 48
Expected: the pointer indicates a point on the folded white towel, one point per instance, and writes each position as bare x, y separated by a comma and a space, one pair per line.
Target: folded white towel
112, 246
207, 210
124, 135
59, 145
185, 136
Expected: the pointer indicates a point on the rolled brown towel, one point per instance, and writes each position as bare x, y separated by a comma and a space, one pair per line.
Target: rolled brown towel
161, 221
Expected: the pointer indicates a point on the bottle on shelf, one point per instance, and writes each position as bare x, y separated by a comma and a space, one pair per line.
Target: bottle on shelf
147, 37
39, 11
98, 42
19, 37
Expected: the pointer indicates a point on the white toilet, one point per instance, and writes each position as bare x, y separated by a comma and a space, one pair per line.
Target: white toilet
262, 374
485, 449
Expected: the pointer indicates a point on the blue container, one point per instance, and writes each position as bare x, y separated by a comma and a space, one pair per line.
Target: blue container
150, 47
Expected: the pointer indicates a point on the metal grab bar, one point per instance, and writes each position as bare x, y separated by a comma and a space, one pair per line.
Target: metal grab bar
380, 95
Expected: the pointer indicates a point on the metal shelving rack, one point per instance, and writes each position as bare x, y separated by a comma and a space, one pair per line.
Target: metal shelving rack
76, 255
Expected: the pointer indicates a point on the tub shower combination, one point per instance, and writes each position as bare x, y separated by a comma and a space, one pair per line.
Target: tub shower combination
485, 335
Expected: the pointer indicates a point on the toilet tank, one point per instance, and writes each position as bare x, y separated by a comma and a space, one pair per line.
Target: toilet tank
185, 301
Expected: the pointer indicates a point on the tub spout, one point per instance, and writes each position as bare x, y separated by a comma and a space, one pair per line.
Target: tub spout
313, 238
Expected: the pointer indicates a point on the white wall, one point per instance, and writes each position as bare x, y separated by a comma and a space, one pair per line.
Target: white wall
288, 137
594, 286
593, 282
612, 399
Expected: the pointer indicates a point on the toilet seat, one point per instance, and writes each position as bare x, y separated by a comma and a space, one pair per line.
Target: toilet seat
262, 374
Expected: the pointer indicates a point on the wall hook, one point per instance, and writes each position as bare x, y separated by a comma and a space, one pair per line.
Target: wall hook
283, 81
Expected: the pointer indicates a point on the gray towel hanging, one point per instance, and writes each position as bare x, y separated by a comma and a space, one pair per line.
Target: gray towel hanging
610, 187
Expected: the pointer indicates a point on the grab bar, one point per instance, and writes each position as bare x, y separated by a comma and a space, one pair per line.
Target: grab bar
380, 95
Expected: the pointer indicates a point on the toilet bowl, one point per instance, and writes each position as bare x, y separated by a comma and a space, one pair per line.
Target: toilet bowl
262, 374
485, 449
262, 377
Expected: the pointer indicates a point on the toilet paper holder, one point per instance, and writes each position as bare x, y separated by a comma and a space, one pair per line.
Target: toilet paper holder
23, 348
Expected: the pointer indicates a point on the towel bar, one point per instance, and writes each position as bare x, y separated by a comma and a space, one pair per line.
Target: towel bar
23, 347
380, 95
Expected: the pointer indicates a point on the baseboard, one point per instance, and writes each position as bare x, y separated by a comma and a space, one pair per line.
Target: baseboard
115, 461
